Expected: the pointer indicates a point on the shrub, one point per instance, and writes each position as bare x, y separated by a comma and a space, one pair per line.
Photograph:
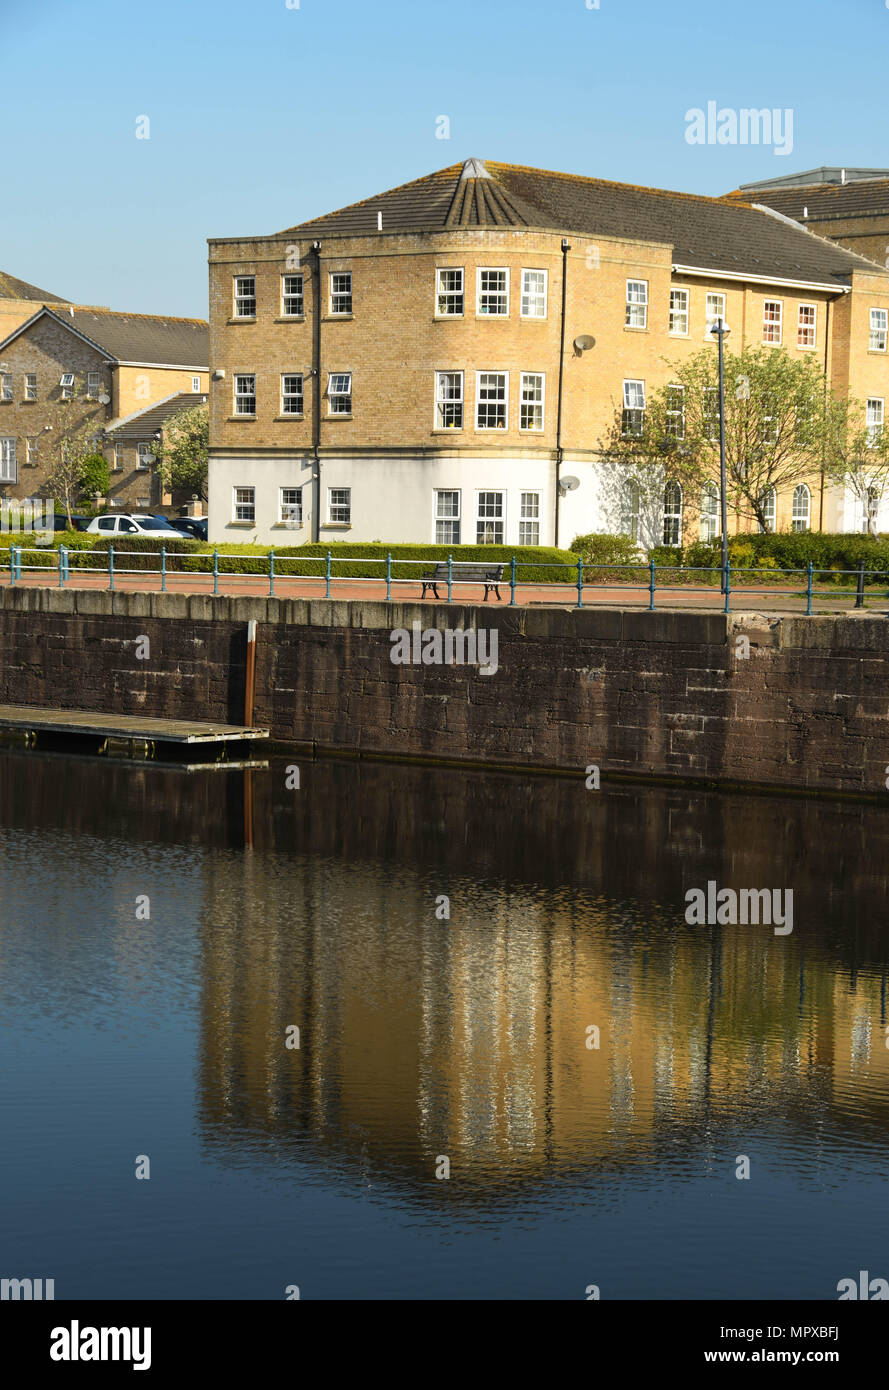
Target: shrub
599, 548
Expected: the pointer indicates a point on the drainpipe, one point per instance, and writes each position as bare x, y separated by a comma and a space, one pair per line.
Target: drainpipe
316, 398
826, 389
565, 249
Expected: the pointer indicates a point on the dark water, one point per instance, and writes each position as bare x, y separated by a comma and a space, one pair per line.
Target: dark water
423, 1038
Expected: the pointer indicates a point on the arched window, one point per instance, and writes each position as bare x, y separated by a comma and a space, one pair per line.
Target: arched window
767, 502
629, 509
802, 505
710, 512
672, 514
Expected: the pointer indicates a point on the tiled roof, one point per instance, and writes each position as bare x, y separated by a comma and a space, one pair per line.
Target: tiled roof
145, 337
822, 199
725, 234
144, 422
13, 288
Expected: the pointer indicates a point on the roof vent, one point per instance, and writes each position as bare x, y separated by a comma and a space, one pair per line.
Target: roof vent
474, 169
842, 176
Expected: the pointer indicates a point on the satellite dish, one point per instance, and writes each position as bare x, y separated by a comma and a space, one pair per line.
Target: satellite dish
584, 342
104, 399
569, 484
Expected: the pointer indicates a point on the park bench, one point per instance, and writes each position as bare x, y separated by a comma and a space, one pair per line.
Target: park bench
489, 575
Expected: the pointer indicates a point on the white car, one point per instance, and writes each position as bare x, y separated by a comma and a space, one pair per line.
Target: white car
135, 525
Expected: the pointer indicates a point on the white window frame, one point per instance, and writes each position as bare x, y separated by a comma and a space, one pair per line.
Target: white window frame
879, 330
445, 294
630, 395
674, 515
541, 404
482, 520
710, 513
630, 500
712, 317
32, 449
30, 386
769, 500
500, 294
243, 504
875, 415
66, 382
93, 385
488, 429
245, 395
295, 520
241, 297
143, 462
7, 387
801, 491
340, 294
671, 413
8, 459
195, 385
636, 304
770, 325
807, 327
119, 448
344, 393
453, 519
530, 297
441, 401
679, 314
529, 521
293, 395
299, 295
338, 507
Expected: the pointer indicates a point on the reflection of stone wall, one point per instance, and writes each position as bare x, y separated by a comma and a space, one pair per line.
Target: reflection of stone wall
641, 694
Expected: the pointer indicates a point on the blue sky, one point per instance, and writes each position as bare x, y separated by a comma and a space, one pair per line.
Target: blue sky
262, 116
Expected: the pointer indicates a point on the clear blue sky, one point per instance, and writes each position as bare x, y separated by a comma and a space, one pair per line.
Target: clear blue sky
262, 116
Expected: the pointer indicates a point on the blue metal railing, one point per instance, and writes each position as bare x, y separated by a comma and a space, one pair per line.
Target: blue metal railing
736, 585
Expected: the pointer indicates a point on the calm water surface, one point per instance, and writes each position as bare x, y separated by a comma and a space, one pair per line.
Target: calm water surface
423, 1038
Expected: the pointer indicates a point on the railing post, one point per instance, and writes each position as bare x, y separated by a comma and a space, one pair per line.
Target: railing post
163, 569
450, 575
580, 582
727, 575
216, 570
61, 566
512, 582
809, 590
14, 561
651, 584
271, 574
859, 592
388, 577
327, 575
111, 567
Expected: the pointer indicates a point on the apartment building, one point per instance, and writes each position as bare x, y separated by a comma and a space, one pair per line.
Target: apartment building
849, 206
85, 371
444, 361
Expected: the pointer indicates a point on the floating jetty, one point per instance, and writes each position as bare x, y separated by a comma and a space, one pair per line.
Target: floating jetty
121, 735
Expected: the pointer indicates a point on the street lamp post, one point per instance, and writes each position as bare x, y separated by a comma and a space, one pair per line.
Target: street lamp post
722, 330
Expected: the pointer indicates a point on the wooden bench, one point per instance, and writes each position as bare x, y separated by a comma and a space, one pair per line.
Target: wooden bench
489, 575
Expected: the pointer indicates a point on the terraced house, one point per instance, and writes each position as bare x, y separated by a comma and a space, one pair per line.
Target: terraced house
69, 370
443, 361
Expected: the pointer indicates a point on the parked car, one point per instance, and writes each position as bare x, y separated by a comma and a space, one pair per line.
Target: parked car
194, 526
78, 523
135, 524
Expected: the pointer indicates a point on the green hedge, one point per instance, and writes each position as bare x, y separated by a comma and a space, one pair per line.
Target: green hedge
776, 554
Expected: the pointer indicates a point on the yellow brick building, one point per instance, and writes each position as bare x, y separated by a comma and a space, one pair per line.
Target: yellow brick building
433, 363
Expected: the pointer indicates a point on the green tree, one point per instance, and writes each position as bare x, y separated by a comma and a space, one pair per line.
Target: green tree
95, 476
182, 454
71, 449
777, 427
857, 456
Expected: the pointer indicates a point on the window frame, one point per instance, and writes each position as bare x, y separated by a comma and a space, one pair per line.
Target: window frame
875, 428
141, 446
479, 519
674, 515
338, 395
884, 330
813, 345
491, 429
244, 395
440, 402
293, 395
480, 294
770, 324
437, 518
9, 467
31, 388
300, 295
238, 296
800, 490
529, 521
711, 319
532, 429
532, 270
331, 505
444, 294
685, 313
710, 490
769, 500
251, 505
334, 294
633, 305
628, 409
292, 523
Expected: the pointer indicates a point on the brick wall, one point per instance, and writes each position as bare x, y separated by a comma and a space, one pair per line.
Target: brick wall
644, 694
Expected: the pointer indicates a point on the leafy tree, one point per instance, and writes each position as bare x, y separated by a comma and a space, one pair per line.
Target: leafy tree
71, 450
857, 456
183, 453
95, 476
777, 426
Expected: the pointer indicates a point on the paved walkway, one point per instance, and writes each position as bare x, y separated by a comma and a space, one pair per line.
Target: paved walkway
771, 600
